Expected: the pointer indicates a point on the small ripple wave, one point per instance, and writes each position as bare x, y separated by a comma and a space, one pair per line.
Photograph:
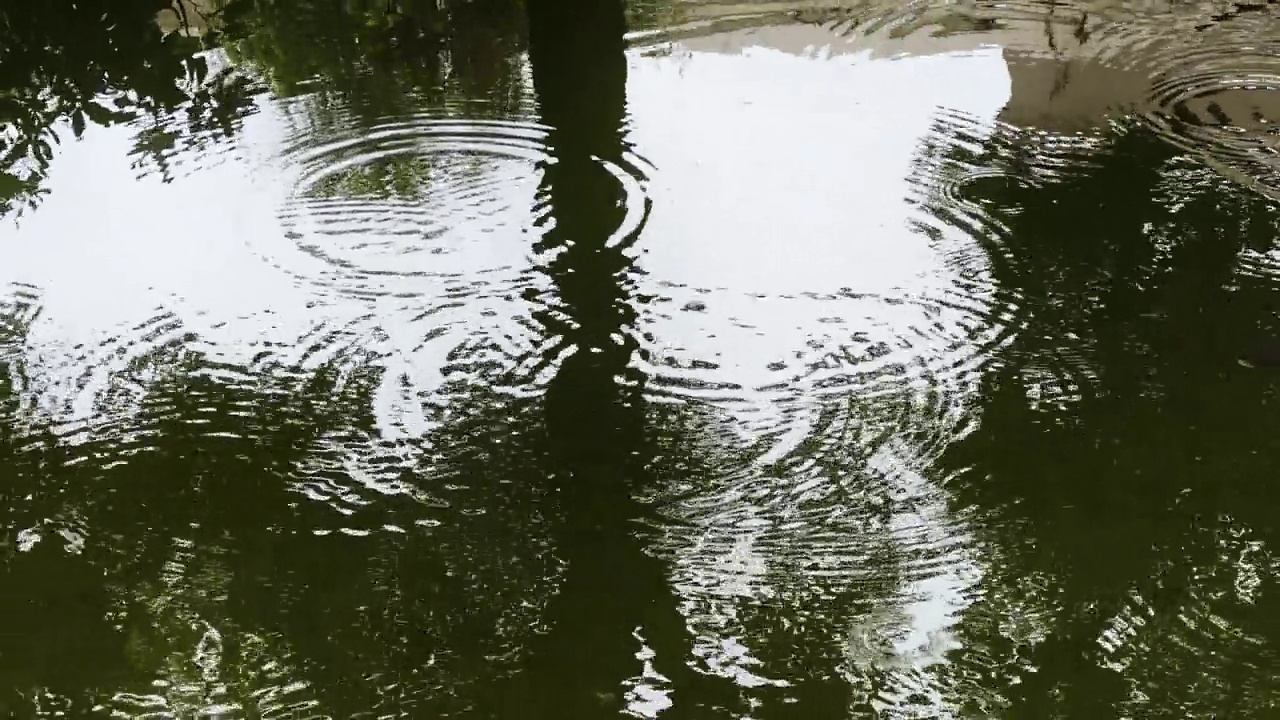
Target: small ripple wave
415, 205
80, 379
827, 412
912, 356
422, 232
1204, 80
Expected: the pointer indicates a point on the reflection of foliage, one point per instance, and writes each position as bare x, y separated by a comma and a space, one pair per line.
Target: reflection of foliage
333, 42
67, 65
178, 632
92, 61
212, 114
1120, 521
163, 501
217, 571
387, 54
654, 14
396, 177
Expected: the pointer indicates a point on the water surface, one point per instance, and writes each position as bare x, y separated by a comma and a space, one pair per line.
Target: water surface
703, 360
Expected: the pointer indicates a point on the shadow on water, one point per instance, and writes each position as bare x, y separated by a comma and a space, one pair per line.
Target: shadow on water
380, 59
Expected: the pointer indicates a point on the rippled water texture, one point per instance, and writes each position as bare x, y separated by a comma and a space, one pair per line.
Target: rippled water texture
881, 362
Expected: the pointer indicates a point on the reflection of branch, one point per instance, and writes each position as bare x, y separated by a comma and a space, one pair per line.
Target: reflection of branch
1082, 31
203, 16
1061, 80
1048, 27
180, 9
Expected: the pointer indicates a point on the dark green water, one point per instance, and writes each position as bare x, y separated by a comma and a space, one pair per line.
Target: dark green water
687, 360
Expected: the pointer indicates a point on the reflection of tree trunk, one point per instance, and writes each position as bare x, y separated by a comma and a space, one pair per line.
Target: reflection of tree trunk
612, 588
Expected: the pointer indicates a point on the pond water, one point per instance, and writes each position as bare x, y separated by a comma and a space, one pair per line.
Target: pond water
681, 360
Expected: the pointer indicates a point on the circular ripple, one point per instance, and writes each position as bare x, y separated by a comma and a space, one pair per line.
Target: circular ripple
425, 198
420, 234
909, 360
417, 206
1205, 80
1221, 103
820, 416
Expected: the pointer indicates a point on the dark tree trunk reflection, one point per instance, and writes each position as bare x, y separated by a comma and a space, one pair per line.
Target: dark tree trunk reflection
615, 597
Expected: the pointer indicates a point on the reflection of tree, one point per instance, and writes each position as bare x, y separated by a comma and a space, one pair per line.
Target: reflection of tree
1117, 437
77, 63
238, 544
386, 58
202, 506
65, 64
151, 509
595, 415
